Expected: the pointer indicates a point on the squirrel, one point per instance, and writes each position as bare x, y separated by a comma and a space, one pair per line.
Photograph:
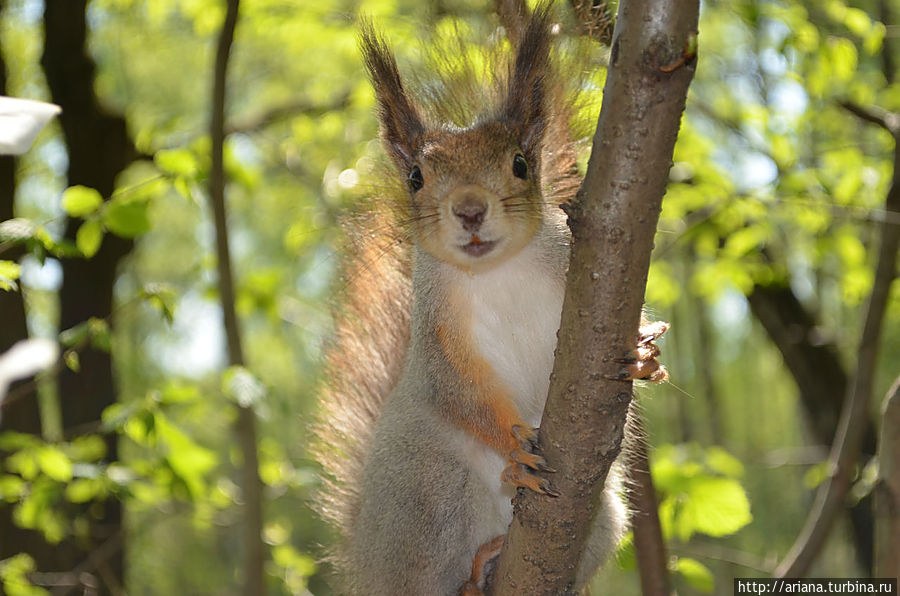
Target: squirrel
441, 363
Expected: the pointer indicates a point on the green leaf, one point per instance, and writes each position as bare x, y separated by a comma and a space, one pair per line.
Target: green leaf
713, 506
695, 573
24, 463
79, 201
88, 237
73, 363
179, 393
11, 440
11, 488
14, 576
87, 448
54, 463
82, 490
9, 273
161, 297
190, 461
176, 162
723, 462
127, 217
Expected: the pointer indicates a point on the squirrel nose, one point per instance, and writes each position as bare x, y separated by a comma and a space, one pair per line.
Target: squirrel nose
470, 212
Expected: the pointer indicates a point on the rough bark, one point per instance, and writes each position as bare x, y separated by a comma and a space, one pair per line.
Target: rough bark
613, 224
245, 426
887, 489
99, 148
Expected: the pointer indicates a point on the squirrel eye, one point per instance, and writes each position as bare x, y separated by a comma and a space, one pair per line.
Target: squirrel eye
415, 179
520, 166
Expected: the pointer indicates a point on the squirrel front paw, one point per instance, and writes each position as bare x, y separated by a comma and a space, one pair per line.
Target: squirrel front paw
522, 460
641, 364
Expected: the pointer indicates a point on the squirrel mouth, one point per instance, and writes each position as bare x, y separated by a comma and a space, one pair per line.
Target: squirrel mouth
478, 247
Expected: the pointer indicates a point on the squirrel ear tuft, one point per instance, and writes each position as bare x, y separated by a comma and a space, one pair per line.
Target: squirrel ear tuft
401, 127
524, 108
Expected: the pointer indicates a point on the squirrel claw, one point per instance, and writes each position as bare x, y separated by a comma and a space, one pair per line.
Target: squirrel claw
651, 332
518, 475
525, 434
641, 363
532, 460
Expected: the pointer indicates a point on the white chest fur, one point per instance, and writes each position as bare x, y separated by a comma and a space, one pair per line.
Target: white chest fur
515, 311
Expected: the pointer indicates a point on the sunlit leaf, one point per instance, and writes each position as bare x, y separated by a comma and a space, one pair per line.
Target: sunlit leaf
9, 273
176, 162
695, 573
126, 217
89, 237
713, 506
55, 463
79, 201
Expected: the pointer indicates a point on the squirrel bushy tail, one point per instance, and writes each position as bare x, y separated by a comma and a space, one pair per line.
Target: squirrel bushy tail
365, 356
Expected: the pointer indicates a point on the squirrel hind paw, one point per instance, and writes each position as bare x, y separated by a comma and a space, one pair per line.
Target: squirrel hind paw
483, 566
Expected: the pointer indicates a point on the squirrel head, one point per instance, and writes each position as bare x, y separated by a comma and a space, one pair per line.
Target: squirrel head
473, 194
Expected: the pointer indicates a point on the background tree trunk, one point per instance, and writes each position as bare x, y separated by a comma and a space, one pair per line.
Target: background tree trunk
254, 554
99, 148
613, 225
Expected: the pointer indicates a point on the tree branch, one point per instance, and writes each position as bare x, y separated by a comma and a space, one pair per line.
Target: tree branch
649, 547
255, 121
887, 490
876, 115
848, 440
888, 68
613, 225
245, 426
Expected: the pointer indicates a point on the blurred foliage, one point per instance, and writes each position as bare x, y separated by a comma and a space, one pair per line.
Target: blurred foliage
773, 182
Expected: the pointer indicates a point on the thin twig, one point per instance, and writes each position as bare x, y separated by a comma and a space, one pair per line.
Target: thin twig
848, 440
649, 546
258, 120
245, 426
718, 552
887, 489
876, 115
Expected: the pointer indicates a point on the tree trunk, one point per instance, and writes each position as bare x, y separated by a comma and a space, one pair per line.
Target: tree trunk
99, 148
613, 224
